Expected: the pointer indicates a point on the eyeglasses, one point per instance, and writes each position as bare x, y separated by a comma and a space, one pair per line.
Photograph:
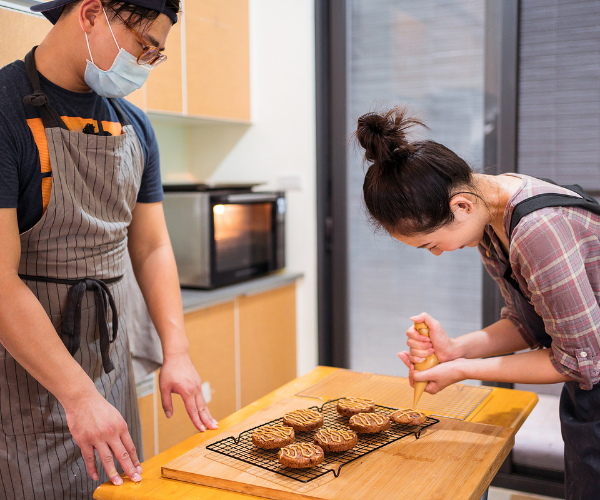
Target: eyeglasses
150, 54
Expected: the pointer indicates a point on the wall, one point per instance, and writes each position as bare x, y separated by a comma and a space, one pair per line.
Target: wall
280, 142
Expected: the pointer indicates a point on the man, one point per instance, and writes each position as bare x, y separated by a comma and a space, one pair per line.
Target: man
79, 187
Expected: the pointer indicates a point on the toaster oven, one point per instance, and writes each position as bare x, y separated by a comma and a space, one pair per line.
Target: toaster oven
224, 236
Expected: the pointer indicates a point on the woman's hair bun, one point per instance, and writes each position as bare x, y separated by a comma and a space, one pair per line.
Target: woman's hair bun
383, 135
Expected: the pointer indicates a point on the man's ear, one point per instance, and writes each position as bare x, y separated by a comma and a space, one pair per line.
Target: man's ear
89, 12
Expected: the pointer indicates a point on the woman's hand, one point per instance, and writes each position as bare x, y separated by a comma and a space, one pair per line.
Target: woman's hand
178, 375
439, 377
438, 341
97, 425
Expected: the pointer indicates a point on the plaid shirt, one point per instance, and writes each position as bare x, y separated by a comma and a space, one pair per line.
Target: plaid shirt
555, 257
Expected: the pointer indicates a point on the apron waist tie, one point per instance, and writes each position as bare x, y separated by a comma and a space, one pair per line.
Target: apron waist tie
71, 324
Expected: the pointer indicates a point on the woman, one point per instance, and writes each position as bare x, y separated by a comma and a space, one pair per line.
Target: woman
541, 244
79, 188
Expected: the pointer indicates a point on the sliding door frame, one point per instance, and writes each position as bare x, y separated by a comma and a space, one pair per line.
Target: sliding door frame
332, 217
500, 156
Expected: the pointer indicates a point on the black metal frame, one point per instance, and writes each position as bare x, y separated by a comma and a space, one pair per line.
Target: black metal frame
500, 156
242, 448
500, 110
330, 43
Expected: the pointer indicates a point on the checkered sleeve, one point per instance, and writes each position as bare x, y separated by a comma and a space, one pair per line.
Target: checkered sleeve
555, 257
494, 269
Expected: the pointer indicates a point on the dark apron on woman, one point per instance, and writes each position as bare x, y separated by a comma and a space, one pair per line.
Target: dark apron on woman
73, 260
579, 408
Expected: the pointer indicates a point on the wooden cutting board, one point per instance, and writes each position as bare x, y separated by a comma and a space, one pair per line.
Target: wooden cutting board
452, 460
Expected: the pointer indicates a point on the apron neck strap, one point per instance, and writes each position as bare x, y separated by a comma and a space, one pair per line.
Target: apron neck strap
50, 118
119, 110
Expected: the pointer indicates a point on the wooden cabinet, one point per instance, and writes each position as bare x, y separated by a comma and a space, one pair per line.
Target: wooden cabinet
212, 350
217, 57
207, 73
19, 32
242, 349
164, 89
267, 350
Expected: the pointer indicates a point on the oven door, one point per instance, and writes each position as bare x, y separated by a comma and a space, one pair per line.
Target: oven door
246, 236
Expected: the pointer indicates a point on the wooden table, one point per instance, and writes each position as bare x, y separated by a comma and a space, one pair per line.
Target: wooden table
504, 407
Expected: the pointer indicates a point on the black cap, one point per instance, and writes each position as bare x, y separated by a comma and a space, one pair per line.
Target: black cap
52, 10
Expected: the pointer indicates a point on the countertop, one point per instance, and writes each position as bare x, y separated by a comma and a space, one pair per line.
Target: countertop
194, 300
503, 407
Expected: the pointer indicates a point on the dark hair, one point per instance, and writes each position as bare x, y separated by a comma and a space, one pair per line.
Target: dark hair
131, 14
409, 185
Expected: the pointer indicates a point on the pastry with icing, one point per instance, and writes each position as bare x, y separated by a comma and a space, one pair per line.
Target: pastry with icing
409, 416
269, 437
303, 420
336, 440
354, 406
369, 423
301, 455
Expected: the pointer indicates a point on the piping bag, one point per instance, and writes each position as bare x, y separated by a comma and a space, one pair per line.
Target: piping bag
429, 362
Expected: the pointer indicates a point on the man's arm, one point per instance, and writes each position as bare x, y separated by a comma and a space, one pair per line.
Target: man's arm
28, 335
156, 273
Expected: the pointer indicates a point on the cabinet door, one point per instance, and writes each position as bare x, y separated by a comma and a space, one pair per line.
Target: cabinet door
267, 342
19, 32
146, 404
164, 88
218, 58
212, 350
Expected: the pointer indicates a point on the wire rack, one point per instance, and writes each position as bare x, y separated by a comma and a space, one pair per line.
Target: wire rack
456, 401
242, 448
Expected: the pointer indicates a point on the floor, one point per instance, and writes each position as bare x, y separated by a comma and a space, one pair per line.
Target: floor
502, 494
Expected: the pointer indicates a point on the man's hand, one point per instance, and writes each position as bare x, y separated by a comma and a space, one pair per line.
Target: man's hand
178, 375
97, 425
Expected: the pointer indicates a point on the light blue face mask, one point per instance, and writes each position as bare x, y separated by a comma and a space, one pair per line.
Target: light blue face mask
124, 76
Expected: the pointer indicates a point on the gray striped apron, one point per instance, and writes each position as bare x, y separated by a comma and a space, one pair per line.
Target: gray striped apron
73, 260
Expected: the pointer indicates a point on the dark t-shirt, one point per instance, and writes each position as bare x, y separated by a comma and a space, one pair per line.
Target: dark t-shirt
22, 140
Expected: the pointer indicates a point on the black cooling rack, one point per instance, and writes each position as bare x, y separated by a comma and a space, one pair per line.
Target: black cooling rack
242, 448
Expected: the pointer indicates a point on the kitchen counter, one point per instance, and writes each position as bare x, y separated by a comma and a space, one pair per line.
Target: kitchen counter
504, 408
194, 300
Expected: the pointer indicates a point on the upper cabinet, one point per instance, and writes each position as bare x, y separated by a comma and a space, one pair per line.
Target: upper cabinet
218, 58
207, 73
19, 32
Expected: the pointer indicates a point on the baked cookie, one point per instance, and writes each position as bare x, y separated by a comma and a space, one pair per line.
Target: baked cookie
303, 420
408, 416
273, 436
301, 455
354, 406
336, 439
369, 423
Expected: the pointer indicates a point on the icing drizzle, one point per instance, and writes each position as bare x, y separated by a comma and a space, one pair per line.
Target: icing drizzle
335, 435
302, 417
356, 403
272, 432
410, 412
306, 450
368, 419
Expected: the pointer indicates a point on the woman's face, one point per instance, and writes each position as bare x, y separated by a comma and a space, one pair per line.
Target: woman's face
465, 231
